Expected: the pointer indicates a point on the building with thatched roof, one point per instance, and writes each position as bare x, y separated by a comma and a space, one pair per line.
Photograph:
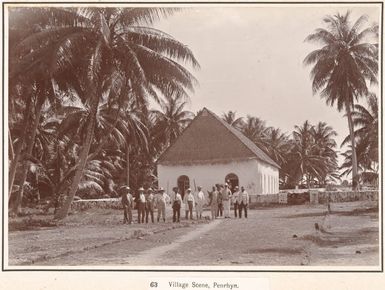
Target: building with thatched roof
210, 151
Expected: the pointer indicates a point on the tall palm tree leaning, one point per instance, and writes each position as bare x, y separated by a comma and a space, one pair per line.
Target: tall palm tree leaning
105, 46
343, 66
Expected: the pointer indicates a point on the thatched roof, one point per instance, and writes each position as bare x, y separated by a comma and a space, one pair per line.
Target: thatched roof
209, 139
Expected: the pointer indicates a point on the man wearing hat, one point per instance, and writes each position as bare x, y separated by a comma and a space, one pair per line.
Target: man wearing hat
176, 202
162, 200
235, 200
189, 203
150, 204
141, 202
127, 203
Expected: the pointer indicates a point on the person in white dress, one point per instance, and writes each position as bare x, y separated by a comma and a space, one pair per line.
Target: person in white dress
200, 201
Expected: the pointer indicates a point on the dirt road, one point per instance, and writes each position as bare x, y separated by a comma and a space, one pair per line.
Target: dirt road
269, 237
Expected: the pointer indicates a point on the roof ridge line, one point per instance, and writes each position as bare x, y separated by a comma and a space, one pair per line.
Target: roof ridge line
234, 131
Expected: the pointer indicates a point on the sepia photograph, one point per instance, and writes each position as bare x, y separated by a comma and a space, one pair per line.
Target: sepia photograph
210, 137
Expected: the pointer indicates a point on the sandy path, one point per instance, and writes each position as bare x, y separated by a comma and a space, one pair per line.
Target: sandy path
153, 256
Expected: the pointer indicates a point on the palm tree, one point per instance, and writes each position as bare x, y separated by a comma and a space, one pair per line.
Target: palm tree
170, 120
366, 136
307, 163
230, 118
366, 119
325, 145
343, 65
255, 129
277, 145
96, 50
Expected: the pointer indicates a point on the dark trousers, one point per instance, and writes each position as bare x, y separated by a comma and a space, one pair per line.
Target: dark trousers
190, 210
236, 209
240, 207
175, 213
127, 212
141, 212
150, 211
220, 209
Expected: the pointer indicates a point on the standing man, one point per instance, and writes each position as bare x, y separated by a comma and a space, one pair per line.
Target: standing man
141, 203
127, 202
226, 195
200, 201
150, 204
189, 203
162, 200
243, 200
176, 202
220, 200
214, 203
235, 200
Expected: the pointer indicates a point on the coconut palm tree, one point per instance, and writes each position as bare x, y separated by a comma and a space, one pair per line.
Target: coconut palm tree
231, 119
170, 120
325, 146
366, 136
366, 121
277, 145
306, 162
95, 50
343, 65
255, 129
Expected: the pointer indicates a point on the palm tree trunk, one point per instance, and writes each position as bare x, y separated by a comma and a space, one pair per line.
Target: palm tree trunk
10, 146
30, 142
355, 182
17, 155
128, 165
63, 211
13, 167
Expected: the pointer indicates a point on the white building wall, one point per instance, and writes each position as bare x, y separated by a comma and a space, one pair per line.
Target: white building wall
207, 175
256, 177
270, 178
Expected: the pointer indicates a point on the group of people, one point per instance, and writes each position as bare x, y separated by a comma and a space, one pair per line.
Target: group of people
221, 198
219, 201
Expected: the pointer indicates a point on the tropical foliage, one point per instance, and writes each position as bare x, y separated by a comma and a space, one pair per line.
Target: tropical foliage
343, 66
308, 157
365, 120
95, 69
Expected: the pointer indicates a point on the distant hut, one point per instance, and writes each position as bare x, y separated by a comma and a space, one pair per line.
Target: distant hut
210, 151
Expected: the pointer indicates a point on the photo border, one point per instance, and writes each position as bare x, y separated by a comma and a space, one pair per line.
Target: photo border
240, 3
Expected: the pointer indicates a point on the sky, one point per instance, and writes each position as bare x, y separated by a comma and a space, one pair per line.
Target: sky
251, 60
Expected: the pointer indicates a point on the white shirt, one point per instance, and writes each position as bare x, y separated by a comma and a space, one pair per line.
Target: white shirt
200, 197
243, 197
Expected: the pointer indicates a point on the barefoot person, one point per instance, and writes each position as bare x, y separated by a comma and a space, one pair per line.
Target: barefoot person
243, 200
190, 203
127, 202
220, 200
235, 200
176, 202
200, 201
214, 203
226, 195
141, 203
162, 200
150, 204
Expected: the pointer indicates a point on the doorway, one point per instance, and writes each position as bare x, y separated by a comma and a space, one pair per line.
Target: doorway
183, 184
232, 180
